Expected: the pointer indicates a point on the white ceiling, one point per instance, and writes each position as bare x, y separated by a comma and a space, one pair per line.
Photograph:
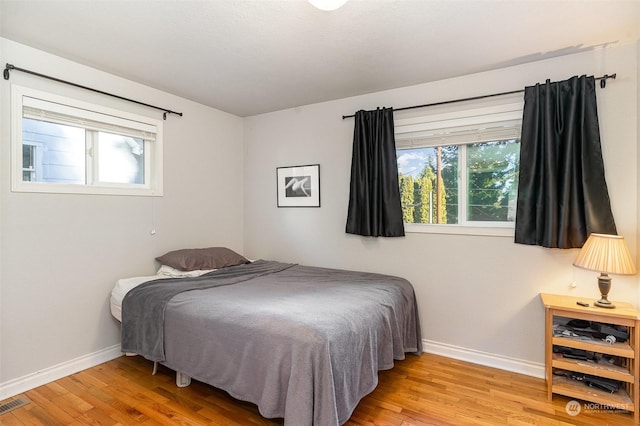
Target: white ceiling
248, 57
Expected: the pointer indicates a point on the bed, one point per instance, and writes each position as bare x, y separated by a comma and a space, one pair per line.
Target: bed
302, 343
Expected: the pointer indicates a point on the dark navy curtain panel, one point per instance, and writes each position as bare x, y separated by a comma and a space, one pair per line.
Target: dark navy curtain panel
562, 192
374, 198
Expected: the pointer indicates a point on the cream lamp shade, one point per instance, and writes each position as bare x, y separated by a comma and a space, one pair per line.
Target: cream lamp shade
607, 254
328, 4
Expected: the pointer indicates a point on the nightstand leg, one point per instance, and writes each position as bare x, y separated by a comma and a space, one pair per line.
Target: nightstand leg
548, 351
635, 344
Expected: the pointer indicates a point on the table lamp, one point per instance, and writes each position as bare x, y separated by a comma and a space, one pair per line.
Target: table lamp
607, 254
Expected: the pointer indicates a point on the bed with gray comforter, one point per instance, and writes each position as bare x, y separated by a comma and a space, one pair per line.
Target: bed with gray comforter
302, 343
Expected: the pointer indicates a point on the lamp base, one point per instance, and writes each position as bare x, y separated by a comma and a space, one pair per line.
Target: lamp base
604, 303
604, 284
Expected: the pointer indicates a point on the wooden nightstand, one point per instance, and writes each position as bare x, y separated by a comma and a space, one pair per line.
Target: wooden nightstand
560, 308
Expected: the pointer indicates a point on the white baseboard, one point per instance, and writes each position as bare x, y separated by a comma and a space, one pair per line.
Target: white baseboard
50, 374
484, 358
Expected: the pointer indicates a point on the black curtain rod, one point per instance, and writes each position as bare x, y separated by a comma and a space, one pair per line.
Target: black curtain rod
603, 83
9, 67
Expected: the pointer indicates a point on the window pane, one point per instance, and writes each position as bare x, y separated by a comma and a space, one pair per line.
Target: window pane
429, 184
121, 159
28, 162
450, 182
492, 181
52, 152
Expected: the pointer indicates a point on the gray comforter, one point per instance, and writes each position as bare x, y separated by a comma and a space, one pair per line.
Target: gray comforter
302, 343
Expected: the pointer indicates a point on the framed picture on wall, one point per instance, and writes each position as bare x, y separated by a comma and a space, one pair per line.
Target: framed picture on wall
298, 186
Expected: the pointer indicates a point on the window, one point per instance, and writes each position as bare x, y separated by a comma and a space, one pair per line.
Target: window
460, 169
67, 146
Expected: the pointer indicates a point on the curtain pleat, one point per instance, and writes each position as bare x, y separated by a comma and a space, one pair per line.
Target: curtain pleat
374, 198
562, 192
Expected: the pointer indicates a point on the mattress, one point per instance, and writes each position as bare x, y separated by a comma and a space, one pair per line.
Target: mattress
124, 285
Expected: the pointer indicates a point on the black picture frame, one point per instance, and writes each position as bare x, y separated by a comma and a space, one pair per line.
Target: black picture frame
298, 186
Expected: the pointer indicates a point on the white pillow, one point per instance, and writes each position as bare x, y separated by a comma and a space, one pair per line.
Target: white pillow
176, 273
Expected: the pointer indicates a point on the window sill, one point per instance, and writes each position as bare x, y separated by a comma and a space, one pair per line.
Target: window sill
490, 231
58, 188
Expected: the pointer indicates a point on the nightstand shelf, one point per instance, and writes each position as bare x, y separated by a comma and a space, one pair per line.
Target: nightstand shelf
617, 348
578, 390
627, 361
614, 372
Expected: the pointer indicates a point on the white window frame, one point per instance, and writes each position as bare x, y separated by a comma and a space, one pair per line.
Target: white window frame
89, 116
461, 128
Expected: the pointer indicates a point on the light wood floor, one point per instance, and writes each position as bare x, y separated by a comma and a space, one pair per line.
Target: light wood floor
421, 390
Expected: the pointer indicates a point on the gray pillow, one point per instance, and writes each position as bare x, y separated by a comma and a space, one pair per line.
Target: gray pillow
204, 258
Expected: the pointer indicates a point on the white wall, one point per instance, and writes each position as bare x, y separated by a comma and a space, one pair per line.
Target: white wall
478, 296
61, 254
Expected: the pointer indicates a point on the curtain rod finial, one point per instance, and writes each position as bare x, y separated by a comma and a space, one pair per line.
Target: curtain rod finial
603, 80
7, 67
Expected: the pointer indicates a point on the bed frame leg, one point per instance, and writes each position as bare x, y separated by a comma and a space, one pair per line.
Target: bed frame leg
182, 380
